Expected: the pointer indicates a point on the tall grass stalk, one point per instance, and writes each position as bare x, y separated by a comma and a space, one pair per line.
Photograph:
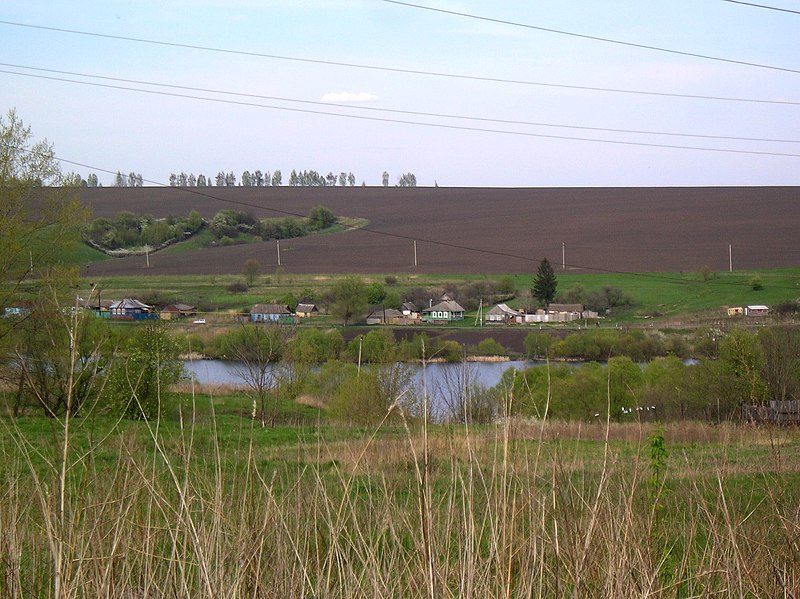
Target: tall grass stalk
516, 509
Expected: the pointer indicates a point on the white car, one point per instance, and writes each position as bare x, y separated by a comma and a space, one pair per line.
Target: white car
200, 321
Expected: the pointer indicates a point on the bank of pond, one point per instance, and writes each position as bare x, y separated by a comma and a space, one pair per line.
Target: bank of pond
664, 388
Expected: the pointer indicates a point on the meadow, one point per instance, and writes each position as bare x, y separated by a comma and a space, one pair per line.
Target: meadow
205, 503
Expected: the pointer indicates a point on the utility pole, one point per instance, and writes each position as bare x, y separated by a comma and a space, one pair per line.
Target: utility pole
358, 372
415, 253
278, 241
563, 257
730, 258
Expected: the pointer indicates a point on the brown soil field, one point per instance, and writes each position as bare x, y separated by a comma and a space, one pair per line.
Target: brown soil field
483, 230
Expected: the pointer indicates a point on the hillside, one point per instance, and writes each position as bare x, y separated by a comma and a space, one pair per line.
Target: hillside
484, 230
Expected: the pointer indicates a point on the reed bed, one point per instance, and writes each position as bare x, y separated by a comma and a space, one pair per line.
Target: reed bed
517, 509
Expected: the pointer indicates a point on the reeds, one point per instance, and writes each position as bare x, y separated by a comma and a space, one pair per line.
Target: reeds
518, 509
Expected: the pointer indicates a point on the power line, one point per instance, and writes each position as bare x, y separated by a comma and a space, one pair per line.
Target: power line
394, 111
795, 12
406, 71
362, 117
594, 38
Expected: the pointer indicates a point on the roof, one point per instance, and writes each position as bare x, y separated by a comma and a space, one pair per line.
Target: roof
388, 313
129, 304
307, 308
565, 308
504, 310
178, 308
270, 309
449, 306
410, 307
758, 307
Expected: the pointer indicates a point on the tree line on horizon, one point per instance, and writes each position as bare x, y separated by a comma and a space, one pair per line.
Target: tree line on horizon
257, 178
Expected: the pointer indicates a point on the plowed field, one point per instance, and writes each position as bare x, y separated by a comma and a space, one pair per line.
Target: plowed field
484, 230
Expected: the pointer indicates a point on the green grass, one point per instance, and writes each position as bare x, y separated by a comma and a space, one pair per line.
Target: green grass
185, 508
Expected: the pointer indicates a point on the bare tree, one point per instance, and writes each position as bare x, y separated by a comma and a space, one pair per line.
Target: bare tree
257, 348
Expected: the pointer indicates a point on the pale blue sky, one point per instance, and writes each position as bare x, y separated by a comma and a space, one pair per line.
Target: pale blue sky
156, 135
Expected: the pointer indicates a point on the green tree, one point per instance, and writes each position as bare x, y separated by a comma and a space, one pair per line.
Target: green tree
315, 346
537, 345
375, 294
140, 385
742, 357
320, 218
545, 283
31, 242
350, 298
60, 356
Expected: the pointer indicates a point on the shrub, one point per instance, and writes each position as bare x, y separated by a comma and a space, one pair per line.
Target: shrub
787, 308
490, 347
537, 345
358, 400
237, 288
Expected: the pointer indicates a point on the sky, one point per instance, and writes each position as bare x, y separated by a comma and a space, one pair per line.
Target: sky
458, 92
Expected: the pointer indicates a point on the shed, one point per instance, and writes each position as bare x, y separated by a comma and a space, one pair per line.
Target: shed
756, 310
306, 310
385, 316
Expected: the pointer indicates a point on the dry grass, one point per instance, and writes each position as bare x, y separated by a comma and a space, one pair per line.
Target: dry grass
515, 510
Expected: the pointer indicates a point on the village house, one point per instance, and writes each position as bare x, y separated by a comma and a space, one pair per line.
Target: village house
272, 313
17, 309
444, 311
410, 311
131, 309
306, 310
502, 314
382, 315
736, 311
175, 311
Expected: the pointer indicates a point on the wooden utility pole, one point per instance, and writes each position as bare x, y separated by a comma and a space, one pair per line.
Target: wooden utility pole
730, 258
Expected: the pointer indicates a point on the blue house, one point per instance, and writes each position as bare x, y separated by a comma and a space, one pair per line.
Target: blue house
132, 309
272, 313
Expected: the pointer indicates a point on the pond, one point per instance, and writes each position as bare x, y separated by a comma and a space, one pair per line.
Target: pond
442, 381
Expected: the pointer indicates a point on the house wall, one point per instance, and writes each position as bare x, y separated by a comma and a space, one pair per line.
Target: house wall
264, 317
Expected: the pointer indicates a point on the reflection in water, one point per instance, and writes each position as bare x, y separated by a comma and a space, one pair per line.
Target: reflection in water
444, 383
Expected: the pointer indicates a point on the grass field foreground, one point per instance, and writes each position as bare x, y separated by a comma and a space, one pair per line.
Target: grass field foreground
207, 504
